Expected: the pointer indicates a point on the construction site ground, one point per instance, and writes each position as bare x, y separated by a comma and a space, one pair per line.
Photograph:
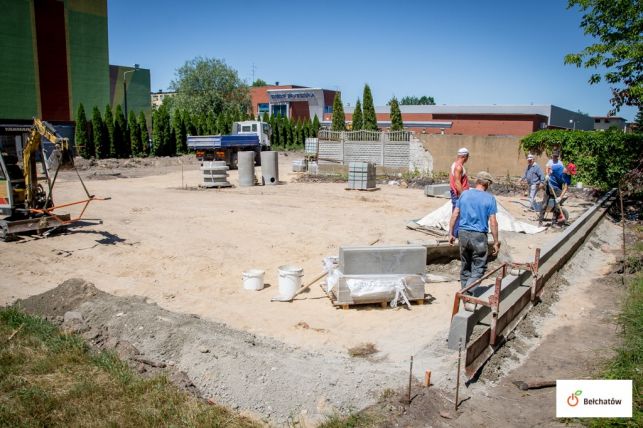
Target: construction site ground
166, 258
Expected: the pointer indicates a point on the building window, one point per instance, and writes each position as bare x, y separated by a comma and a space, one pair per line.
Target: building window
328, 109
280, 110
263, 108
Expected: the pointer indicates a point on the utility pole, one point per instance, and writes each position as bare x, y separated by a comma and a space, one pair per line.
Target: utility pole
253, 72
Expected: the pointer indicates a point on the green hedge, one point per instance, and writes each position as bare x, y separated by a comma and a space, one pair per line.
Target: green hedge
602, 158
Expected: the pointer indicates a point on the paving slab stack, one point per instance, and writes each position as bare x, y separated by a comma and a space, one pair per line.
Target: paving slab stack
246, 166
311, 147
361, 175
215, 174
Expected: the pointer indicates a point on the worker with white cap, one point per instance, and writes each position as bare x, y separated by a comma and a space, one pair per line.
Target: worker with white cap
458, 180
534, 177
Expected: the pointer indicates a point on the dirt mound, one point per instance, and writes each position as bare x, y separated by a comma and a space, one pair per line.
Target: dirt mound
214, 360
91, 164
64, 298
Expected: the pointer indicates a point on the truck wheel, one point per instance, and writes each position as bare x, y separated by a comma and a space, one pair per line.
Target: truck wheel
234, 160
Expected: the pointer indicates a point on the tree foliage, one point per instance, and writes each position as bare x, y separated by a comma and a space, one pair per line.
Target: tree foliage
339, 123
99, 135
259, 82
83, 148
206, 85
358, 121
368, 110
601, 158
163, 142
108, 121
136, 143
121, 136
417, 101
316, 125
617, 27
396, 116
145, 134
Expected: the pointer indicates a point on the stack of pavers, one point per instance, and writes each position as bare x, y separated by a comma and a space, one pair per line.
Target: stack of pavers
361, 175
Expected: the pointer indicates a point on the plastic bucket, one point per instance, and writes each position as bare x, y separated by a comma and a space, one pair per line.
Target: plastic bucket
289, 280
253, 279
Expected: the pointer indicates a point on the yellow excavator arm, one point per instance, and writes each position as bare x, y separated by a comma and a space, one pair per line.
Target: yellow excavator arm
60, 156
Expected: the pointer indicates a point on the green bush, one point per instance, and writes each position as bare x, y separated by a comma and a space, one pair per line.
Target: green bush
602, 158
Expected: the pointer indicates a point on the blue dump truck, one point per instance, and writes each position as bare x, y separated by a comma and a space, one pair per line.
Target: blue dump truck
250, 135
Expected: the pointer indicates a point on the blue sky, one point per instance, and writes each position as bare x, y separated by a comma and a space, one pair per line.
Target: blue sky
459, 52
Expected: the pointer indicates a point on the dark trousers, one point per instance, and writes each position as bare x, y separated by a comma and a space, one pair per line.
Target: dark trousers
549, 195
473, 256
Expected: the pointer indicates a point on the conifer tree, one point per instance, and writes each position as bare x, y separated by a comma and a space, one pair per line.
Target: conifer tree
108, 121
396, 116
180, 132
357, 116
101, 141
211, 121
145, 134
136, 144
339, 123
82, 143
221, 123
369, 117
265, 117
121, 136
315, 126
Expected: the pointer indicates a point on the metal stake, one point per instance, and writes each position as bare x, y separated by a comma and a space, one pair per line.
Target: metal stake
457, 382
410, 379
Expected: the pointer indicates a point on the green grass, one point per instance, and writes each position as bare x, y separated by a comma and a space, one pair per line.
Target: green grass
48, 378
628, 363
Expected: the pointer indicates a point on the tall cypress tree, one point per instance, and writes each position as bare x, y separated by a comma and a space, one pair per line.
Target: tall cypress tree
82, 143
145, 134
121, 136
370, 119
315, 126
180, 131
108, 120
339, 123
358, 121
136, 145
101, 142
396, 116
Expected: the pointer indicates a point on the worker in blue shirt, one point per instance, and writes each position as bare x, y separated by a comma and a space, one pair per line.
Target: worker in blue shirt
534, 177
476, 209
555, 188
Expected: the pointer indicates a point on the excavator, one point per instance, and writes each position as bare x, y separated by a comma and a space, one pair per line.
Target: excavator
26, 199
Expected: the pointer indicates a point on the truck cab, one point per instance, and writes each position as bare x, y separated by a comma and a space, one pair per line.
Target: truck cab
249, 135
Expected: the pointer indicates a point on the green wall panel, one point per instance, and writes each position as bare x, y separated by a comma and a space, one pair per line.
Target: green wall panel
89, 60
138, 89
18, 84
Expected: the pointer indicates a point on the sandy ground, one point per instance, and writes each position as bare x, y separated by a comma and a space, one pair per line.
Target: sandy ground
185, 248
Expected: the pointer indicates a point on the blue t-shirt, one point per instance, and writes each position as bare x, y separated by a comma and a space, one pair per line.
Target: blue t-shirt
476, 207
556, 178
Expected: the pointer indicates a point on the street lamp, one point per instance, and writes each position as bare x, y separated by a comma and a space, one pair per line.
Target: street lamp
574, 122
125, 93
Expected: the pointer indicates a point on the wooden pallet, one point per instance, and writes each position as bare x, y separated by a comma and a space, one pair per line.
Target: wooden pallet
372, 189
383, 303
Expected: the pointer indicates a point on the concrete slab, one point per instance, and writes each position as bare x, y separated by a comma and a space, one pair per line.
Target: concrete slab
441, 190
400, 259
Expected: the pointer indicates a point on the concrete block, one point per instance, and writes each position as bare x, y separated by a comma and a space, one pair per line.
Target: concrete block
437, 190
401, 259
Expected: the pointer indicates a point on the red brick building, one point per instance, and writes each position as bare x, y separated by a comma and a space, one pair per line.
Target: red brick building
479, 120
293, 101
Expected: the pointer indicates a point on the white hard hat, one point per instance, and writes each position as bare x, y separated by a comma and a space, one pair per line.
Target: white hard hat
463, 151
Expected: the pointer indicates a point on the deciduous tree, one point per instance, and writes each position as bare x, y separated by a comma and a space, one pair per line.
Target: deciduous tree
417, 101
617, 54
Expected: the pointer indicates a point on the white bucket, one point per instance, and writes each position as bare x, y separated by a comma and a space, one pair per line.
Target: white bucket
289, 280
253, 279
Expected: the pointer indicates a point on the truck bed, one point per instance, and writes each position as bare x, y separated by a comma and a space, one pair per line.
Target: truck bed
204, 142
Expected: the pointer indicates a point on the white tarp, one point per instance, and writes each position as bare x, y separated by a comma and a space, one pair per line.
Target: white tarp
506, 222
